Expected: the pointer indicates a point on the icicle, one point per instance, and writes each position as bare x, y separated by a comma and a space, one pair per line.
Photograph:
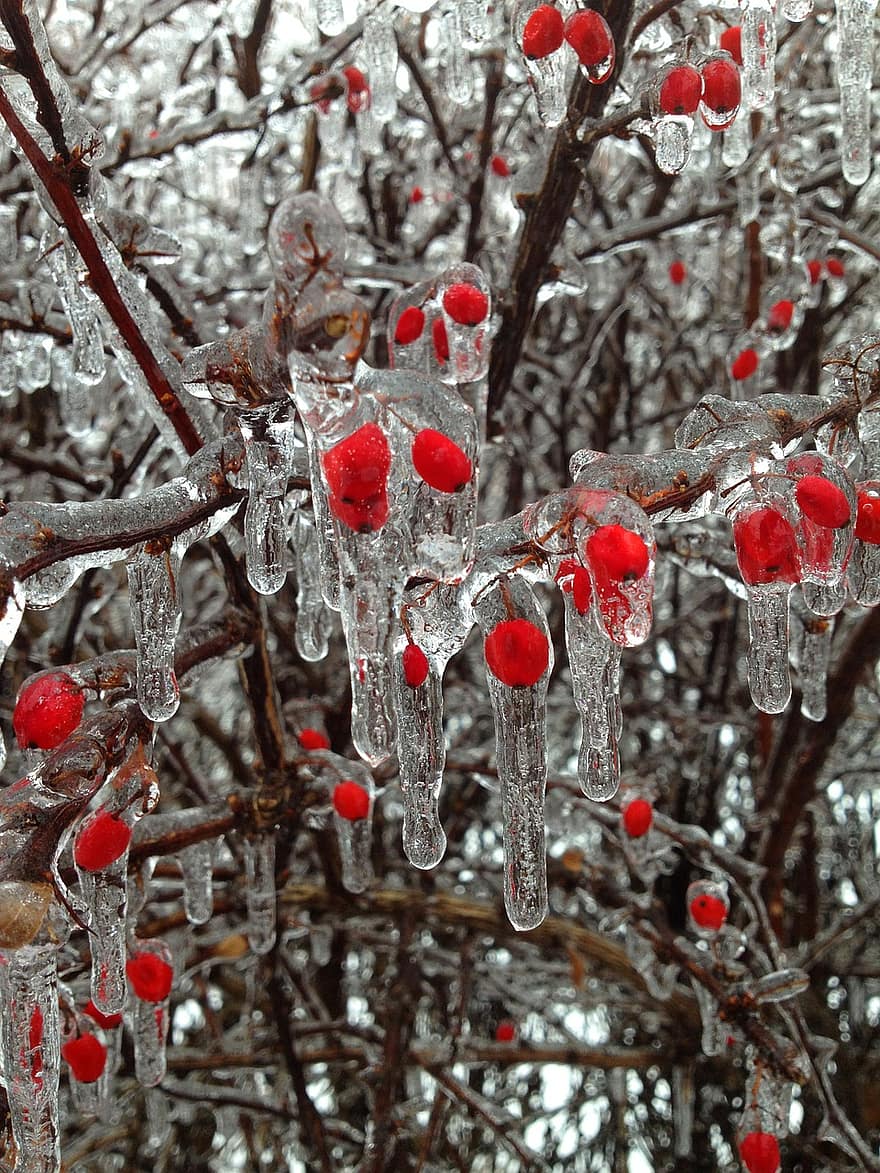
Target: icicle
714, 1032
88, 341
321, 942
855, 53
855, 133
150, 973
769, 679
366, 623
864, 573
379, 46
683, 1097
813, 670
547, 79
474, 20
10, 620
259, 863
759, 53
352, 796
104, 893
31, 1036
74, 398
422, 754
459, 76
268, 440
314, 620
330, 16
594, 662
659, 979
155, 616
672, 143
197, 865
325, 533
737, 141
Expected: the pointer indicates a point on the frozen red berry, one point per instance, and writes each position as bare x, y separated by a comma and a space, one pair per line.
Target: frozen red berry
106, 1021
314, 739
544, 32
681, 90
678, 272
409, 326
440, 339
814, 271
722, 90
766, 547
517, 653
351, 801
363, 517
440, 462
618, 553
731, 42
101, 841
588, 33
505, 1031
574, 579
868, 518
822, 502
357, 467
47, 711
760, 1152
834, 268
708, 911
416, 195
465, 303
744, 365
637, 817
500, 166
150, 976
358, 89
779, 316
86, 1057
415, 666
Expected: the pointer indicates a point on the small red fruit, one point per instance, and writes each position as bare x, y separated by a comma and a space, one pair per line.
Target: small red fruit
709, 912
681, 90
351, 801
314, 739
500, 166
618, 553
822, 502
588, 34
779, 316
868, 519
47, 711
107, 1021
574, 579
440, 462
744, 365
440, 340
364, 517
358, 89
505, 1031
149, 976
357, 467
731, 42
415, 666
87, 1057
101, 841
465, 304
814, 270
544, 31
637, 817
722, 90
760, 1152
766, 548
416, 195
409, 326
517, 653
678, 273
835, 268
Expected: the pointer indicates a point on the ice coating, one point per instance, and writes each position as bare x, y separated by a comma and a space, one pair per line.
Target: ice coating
88, 365
546, 73
314, 621
155, 616
769, 678
815, 652
149, 1022
268, 439
259, 862
759, 53
459, 75
380, 57
672, 143
197, 866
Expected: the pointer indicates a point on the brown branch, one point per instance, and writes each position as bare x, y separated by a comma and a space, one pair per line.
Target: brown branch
494, 83
27, 62
248, 50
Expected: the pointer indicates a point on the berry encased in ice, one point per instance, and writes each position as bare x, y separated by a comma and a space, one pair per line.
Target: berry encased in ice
544, 32
440, 462
766, 547
150, 976
47, 711
637, 817
415, 666
681, 90
101, 841
466, 304
517, 653
351, 801
822, 502
86, 1057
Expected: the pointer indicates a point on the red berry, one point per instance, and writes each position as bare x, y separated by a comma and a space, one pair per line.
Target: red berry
107, 1021
618, 553
766, 548
731, 42
678, 273
709, 912
314, 739
589, 35
351, 801
722, 90
358, 89
415, 666
681, 90
517, 653
779, 316
440, 340
416, 195
101, 841
364, 517
440, 462
574, 579
87, 1057
465, 304
409, 326
637, 816
868, 519
814, 270
499, 166
543, 32
744, 365
150, 976
822, 502
357, 467
47, 711
760, 1152
505, 1032
835, 268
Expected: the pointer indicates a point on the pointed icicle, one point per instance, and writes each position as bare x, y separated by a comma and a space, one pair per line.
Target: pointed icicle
197, 866
519, 659
314, 620
155, 617
769, 678
150, 974
325, 535
268, 441
759, 53
422, 754
459, 75
813, 672
379, 46
259, 862
683, 1097
352, 797
88, 365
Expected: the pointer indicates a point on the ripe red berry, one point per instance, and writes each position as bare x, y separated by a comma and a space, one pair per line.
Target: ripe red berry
517, 653
822, 502
440, 340
779, 316
416, 195
760, 1152
415, 666
617, 552
314, 739
351, 801
678, 273
637, 817
574, 579
588, 34
440, 462
731, 42
364, 517
358, 89
149, 976
500, 166
868, 518
465, 304
47, 711
107, 1021
101, 841
357, 467
722, 90
709, 912
409, 326
87, 1058
835, 268
766, 548
543, 32
681, 90
505, 1031
814, 271
744, 365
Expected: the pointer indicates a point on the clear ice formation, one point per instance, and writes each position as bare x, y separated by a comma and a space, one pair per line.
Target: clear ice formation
259, 865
